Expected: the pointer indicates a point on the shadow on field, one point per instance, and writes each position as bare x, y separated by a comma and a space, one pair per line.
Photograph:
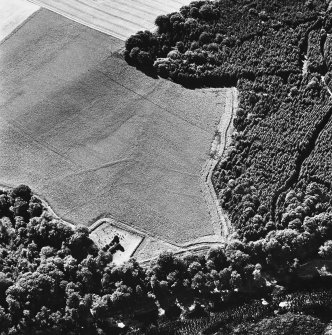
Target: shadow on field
148, 70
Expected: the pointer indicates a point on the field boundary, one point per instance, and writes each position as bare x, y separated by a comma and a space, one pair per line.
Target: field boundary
195, 246
16, 29
45, 204
78, 20
220, 221
221, 141
114, 18
120, 225
144, 234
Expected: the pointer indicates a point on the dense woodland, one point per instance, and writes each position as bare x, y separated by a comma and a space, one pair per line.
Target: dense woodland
55, 280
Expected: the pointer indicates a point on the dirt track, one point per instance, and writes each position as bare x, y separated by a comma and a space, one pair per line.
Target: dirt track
222, 139
118, 18
97, 137
220, 222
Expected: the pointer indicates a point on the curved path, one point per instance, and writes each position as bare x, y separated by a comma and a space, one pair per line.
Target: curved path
220, 221
149, 244
222, 139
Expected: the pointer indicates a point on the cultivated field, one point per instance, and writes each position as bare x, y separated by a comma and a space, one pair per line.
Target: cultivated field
13, 13
97, 137
119, 18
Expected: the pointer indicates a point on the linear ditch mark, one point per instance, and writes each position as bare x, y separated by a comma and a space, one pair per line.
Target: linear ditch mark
299, 161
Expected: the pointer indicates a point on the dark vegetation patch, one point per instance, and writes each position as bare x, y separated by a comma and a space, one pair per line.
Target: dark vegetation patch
55, 281
304, 314
275, 182
283, 115
214, 43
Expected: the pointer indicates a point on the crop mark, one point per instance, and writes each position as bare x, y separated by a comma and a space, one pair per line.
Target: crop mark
153, 102
16, 127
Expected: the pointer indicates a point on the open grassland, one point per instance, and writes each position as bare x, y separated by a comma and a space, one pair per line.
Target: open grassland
13, 13
119, 18
98, 137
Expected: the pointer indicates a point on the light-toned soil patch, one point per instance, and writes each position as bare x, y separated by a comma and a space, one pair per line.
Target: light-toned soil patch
13, 13
98, 138
103, 232
119, 18
305, 67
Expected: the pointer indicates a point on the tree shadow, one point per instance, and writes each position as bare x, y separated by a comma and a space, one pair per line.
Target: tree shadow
148, 70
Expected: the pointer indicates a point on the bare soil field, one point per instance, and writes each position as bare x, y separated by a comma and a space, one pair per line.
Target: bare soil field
13, 13
97, 137
119, 18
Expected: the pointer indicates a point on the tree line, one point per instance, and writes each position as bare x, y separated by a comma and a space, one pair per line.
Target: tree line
55, 280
